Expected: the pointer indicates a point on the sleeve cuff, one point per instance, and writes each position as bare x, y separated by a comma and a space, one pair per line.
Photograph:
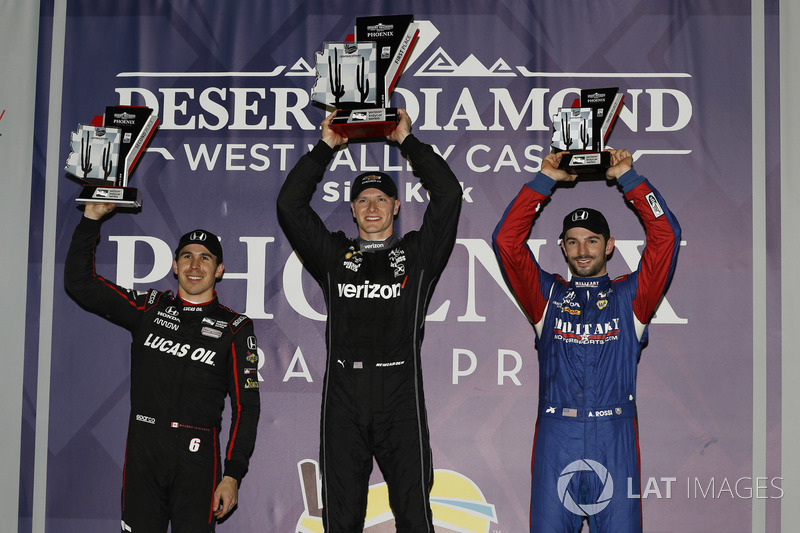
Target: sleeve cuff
88, 225
629, 180
411, 145
542, 184
234, 471
321, 153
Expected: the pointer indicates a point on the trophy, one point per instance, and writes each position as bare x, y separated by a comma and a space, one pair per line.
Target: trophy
581, 131
357, 77
104, 153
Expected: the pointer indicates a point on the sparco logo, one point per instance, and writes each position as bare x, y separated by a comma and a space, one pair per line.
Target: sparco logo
369, 290
145, 419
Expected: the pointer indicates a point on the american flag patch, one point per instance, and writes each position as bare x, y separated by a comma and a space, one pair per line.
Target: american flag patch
569, 412
358, 364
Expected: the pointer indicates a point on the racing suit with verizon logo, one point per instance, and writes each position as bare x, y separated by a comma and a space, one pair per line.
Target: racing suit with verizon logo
185, 359
373, 402
589, 333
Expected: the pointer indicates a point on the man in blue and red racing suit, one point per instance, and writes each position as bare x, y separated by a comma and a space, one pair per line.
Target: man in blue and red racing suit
590, 331
377, 288
188, 352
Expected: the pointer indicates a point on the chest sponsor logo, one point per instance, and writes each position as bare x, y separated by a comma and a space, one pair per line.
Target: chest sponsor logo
353, 259
178, 349
568, 304
208, 321
166, 324
586, 333
167, 315
397, 259
211, 332
369, 290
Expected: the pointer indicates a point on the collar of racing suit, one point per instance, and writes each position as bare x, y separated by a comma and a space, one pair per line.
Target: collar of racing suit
374, 246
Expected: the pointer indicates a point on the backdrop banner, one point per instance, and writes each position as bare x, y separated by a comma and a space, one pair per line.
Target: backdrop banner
230, 83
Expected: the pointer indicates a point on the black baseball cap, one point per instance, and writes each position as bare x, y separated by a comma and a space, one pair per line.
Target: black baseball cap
585, 217
373, 180
204, 238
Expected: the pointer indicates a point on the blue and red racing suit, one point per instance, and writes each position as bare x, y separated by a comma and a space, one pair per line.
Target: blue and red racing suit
590, 333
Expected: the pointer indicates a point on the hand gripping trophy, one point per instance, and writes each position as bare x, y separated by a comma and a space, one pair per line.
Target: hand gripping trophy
358, 76
104, 153
581, 131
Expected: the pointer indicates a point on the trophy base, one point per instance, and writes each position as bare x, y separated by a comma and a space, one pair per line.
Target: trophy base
122, 196
364, 123
585, 162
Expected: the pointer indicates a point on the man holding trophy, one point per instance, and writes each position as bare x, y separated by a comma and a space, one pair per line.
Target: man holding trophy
590, 331
188, 353
377, 288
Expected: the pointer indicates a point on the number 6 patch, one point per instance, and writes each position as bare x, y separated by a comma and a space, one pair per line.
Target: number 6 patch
194, 444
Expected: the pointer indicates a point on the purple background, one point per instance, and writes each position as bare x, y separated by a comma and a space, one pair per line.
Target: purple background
695, 384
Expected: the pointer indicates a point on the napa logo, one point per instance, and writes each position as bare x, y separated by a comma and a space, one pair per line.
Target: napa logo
458, 504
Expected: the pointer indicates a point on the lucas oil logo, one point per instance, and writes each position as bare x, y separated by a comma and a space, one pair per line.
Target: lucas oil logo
178, 349
456, 501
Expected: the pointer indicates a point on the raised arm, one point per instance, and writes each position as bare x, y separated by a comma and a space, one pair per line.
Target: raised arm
303, 227
92, 291
440, 222
663, 237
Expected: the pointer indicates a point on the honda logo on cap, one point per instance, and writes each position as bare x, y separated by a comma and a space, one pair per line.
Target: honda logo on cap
580, 215
198, 236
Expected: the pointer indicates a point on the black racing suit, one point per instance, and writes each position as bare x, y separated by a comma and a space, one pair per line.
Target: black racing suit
185, 359
373, 402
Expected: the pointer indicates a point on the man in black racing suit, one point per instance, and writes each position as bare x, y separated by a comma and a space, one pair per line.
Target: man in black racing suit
377, 288
188, 353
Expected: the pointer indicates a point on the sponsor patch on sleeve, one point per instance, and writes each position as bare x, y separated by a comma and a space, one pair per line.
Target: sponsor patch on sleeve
655, 207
